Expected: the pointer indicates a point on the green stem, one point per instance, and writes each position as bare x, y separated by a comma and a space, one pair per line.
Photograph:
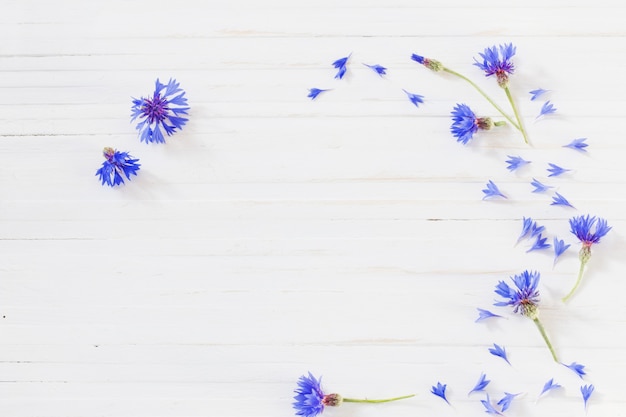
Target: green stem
545, 337
386, 400
578, 280
493, 103
520, 126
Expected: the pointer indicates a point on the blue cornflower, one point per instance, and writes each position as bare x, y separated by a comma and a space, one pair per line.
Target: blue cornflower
524, 300
161, 111
440, 391
556, 170
547, 108
514, 162
500, 352
581, 227
464, 123
481, 384
379, 69
485, 314
586, 391
539, 244
578, 368
505, 402
116, 164
559, 200
577, 144
559, 248
550, 385
539, 187
415, 98
492, 191
341, 65
537, 93
314, 92
497, 61
489, 408
310, 399
431, 64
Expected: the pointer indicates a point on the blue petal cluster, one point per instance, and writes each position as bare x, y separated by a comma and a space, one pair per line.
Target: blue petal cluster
581, 227
464, 123
116, 164
496, 60
309, 396
160, 113
525, 298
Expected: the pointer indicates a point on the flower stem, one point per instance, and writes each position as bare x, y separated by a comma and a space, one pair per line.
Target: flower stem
493, 103
519, 125
545, 338
386, 400
578, 280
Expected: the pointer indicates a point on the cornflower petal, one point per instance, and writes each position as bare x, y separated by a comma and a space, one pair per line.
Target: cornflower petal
481, 384
547, 108
586, 391
515, 162
489, 408
539, 187
492, 191
416, 99
440, 391
527, 224
556, 170
314, 92
559, 200
162, 111
309, 398
499, 351
379, 69
548, 386
559, 248
577, 144
537, 93
341, 65
577, 368
540, 244
485, 314
115, 165
505, 402
536, 230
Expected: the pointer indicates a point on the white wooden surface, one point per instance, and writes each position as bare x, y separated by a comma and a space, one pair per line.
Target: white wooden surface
276, 235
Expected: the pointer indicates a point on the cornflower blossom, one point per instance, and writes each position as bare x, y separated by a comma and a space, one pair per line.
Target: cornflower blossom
524, 298
589, 230
311, 399
162, 111
117, 163
437, 66
465, 123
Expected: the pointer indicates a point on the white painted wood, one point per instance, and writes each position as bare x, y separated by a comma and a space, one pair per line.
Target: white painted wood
276, 235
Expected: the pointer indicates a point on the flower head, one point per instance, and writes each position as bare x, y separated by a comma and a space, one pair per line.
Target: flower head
117, 163
161, 111
342, 66
500, 352
577, 368
586, 391
465, 123
431, 64
440, 391
314, 92
481, 384
492, 190
589, 230
496, 60
577, 144
547, 108
379, 69
415, 98
485, 314
535, 94
515, 162
310, 397
539, 187
550, 385
525, 297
